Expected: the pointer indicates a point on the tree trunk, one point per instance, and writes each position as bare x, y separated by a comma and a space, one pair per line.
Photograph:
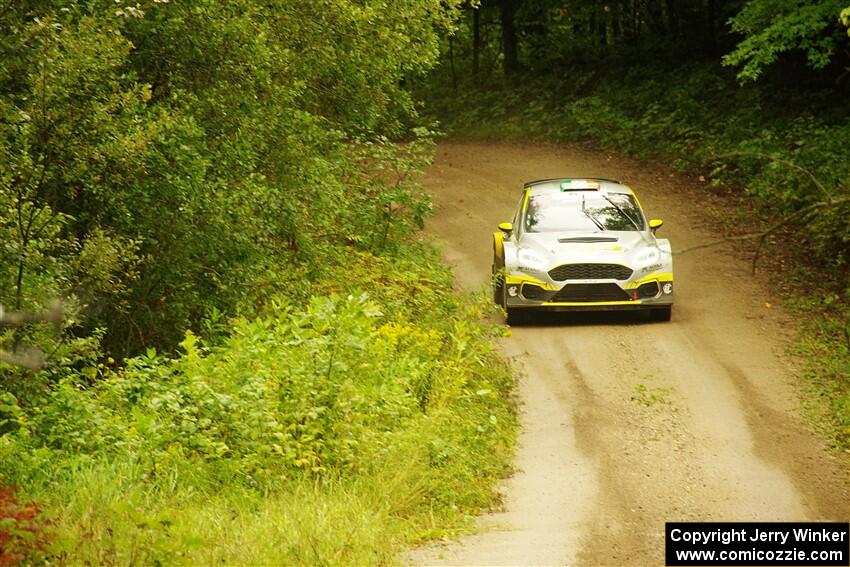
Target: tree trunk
711, 27
452, 62
476, 41
672, 18
509, 38
593, 24
616, 22
635, 20
654, 17
601, 30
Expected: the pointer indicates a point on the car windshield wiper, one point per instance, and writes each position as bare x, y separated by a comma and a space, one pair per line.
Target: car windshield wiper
622, 212
589, 215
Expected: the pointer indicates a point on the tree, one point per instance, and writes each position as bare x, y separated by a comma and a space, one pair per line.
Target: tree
156, 157
510, 43
476, 40
773, 27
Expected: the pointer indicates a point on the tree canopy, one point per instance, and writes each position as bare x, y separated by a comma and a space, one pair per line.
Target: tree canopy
751, 35
156, 157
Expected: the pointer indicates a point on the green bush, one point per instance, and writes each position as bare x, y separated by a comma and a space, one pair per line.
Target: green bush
343, 389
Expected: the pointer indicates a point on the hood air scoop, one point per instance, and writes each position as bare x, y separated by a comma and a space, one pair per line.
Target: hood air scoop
587, 239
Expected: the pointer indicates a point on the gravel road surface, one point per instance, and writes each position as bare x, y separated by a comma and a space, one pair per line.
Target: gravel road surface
628, 424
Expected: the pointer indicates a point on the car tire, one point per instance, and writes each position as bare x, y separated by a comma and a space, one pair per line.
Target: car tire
513, 316
498, 287
662, 314
516, 316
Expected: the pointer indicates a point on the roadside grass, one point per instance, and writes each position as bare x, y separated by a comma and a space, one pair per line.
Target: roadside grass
336, 431
300, 523
637, 111
110, 517
824, 344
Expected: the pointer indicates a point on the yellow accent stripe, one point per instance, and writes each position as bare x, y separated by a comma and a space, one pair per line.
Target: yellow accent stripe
518, 280
524, 204
590, 303
499, 245
660, 278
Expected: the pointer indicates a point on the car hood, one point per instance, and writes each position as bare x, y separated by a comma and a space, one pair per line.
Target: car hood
618, 247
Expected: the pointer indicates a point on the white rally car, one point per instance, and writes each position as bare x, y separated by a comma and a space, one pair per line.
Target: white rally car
581, 244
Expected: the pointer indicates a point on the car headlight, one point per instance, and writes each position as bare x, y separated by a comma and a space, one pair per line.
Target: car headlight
531, 260
648, 256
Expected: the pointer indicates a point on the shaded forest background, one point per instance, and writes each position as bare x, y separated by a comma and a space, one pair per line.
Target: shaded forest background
730, 89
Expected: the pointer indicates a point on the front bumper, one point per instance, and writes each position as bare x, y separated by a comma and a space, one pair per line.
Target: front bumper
649, 292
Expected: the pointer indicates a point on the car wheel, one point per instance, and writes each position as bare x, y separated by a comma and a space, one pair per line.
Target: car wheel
661, 314
516, 316
498, 287
513, 316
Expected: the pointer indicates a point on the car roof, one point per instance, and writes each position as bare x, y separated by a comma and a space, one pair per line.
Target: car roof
559, 184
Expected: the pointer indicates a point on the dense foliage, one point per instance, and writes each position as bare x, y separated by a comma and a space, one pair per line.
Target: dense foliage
156, 158
750, 95
223, 196
772, 28
388, 401
753, 35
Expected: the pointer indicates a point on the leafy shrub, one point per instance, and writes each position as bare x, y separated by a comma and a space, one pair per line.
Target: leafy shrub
312, 390
344, 387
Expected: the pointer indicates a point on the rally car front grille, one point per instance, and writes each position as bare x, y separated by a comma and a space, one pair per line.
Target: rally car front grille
590, 272
590, 293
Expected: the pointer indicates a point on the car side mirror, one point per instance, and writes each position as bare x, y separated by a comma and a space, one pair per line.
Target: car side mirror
506, 227
655, 224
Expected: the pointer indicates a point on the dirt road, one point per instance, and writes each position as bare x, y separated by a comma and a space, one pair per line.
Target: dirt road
629, 424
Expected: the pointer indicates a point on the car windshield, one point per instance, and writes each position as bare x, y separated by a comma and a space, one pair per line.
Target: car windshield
582, 211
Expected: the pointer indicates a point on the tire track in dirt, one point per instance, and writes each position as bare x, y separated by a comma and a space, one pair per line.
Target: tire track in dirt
629, 424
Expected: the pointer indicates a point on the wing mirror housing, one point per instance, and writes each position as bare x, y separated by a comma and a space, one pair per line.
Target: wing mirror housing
506, 227
655, 224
